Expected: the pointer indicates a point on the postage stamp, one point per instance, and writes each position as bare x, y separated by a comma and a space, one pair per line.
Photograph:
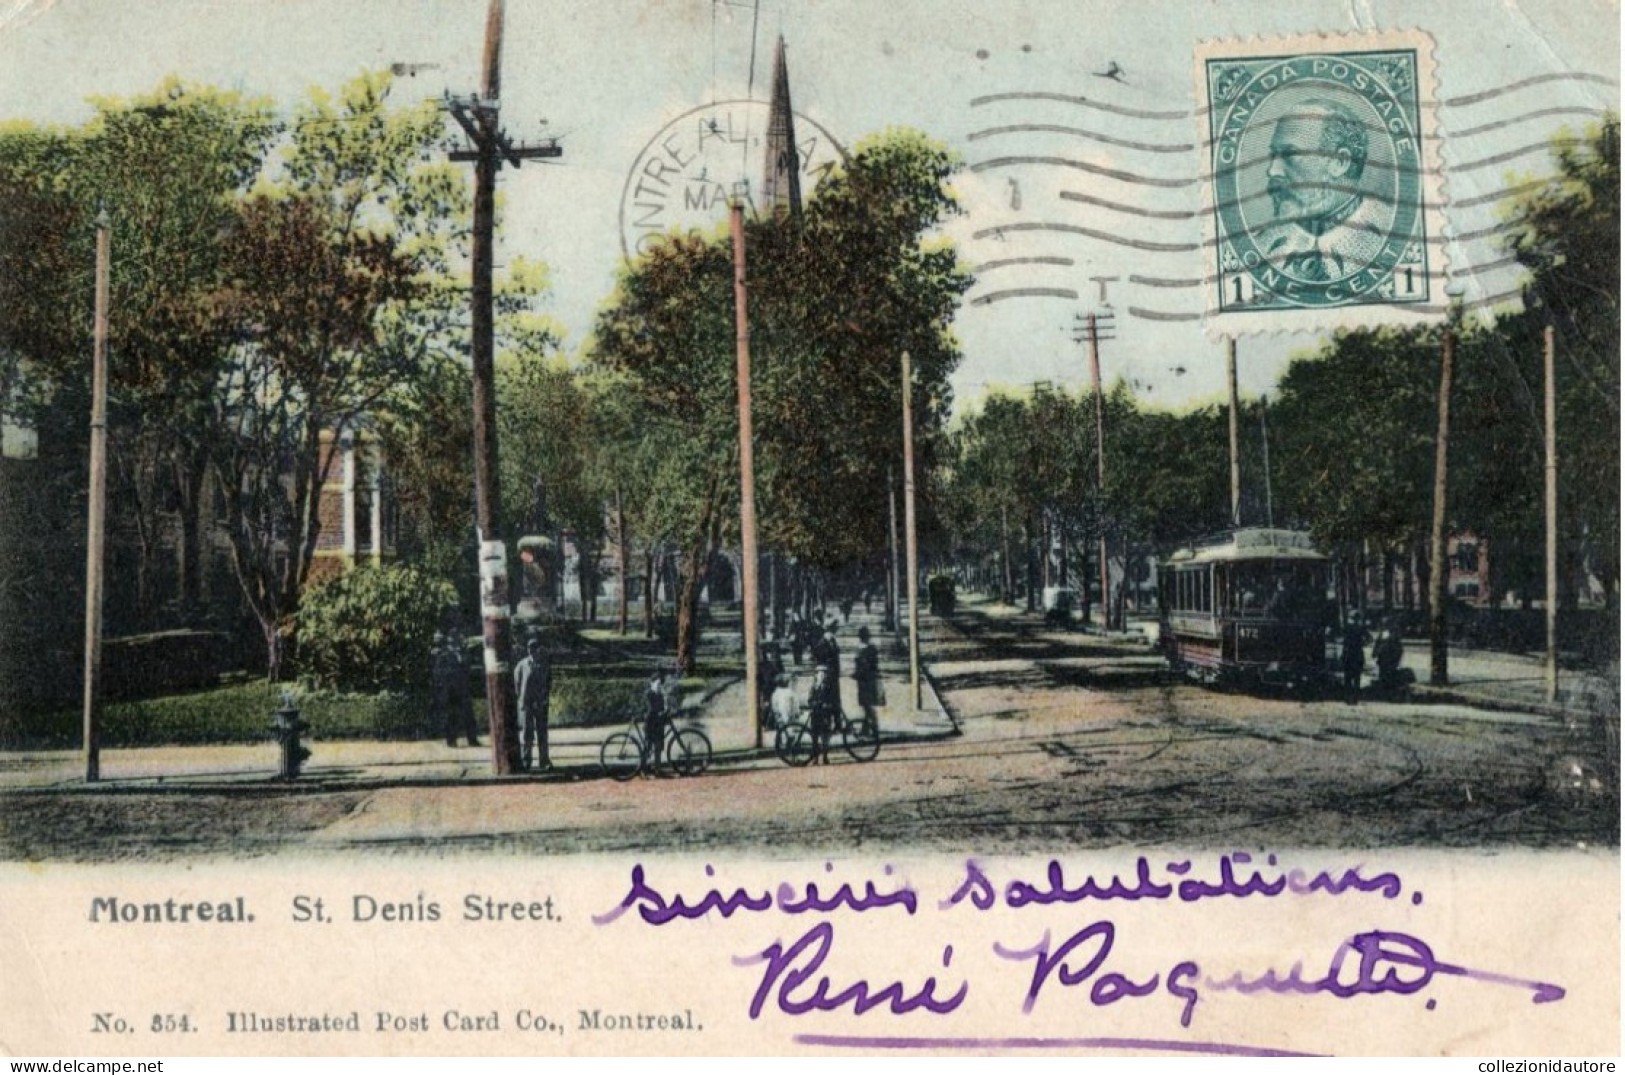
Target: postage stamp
1321, 180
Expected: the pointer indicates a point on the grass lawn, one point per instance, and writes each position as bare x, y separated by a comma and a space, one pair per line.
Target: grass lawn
240, 711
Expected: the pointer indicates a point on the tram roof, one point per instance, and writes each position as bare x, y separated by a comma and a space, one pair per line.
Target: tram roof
1252, 543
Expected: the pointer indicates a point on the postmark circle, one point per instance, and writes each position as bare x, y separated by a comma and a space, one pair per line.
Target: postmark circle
685, 174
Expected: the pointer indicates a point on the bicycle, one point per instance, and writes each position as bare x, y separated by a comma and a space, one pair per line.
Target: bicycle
624, 755
796, 745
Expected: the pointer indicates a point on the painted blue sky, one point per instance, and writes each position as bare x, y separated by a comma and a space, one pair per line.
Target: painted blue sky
1001, 83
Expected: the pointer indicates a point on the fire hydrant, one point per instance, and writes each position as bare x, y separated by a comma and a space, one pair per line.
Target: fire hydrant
286, 730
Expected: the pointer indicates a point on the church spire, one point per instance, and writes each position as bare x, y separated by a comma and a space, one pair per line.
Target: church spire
781, 176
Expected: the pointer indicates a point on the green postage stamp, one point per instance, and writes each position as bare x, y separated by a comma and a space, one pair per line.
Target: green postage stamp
1322, 181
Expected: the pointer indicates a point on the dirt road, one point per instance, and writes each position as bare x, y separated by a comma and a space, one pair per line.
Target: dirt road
1066, 742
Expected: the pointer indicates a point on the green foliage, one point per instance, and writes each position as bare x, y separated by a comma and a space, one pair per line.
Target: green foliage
832, 305
238, 713
1353, 431
833, 302
242, 713
1567, 233
372, 628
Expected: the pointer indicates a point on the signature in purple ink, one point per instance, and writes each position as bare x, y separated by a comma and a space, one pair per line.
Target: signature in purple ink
1231, 882
657, 909
788, 972
1105, 988
1378, 962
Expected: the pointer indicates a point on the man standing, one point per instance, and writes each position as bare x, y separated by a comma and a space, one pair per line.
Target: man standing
866, 670
826, 652
1353, 656
769, 666
654, 716
533, 687
451, 692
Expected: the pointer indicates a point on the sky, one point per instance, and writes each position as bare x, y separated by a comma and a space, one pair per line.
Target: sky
1017, 88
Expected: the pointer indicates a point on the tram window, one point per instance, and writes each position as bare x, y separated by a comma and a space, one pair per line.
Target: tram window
1207, 592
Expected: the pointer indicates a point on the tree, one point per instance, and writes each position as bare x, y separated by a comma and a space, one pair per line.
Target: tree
1353, 438
166, 167
1566, 232
833, 302
334, 265
988, 486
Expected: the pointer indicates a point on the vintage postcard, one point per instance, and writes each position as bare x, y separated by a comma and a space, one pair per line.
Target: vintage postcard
754, 527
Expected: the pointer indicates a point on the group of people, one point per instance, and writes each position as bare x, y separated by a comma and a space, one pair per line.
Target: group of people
816, 637
662, 693
532, 686
1387, 647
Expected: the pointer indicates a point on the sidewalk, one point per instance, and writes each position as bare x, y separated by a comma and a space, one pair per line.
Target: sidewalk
718, 708
1514, 682
1507, 682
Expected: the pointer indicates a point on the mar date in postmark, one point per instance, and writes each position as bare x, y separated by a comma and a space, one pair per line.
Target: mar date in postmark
1322, 181
686, 173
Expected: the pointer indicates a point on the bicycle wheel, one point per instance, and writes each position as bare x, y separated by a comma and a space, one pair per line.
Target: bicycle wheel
688, 752
794, 745
621, 756
861, 738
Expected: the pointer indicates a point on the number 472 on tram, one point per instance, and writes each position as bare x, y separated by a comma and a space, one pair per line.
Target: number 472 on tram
1247, 607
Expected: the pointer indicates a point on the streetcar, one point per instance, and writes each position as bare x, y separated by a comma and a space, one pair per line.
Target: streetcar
1247, 607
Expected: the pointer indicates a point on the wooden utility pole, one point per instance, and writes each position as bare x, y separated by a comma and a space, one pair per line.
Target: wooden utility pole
894, 624
97, 529
1549, 356
1100, 472
479, 121
1235, 431
909, 535
1437, 628
623, 562
747, 467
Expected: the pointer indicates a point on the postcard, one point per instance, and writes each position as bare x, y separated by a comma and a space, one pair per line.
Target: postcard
729, 527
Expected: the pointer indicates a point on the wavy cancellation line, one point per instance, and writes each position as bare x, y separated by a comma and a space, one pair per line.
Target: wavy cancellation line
1025, 293
1171, 316
1080, 132
1486, 198
1006, 263
1206, 144
1539, 146
1000, 231
1458, 273
1460, 101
